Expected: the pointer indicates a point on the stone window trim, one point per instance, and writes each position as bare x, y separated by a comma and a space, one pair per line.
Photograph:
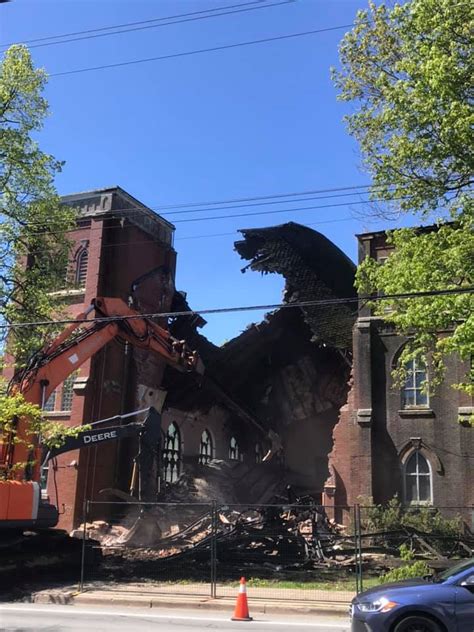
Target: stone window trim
415, 411
417, 444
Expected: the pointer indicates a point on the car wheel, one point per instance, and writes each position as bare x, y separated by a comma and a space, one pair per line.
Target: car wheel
417, 623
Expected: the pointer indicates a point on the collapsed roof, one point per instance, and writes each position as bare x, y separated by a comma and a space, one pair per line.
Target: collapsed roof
314, 269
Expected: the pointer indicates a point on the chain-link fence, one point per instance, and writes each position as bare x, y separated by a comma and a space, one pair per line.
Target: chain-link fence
301, 552
295, 552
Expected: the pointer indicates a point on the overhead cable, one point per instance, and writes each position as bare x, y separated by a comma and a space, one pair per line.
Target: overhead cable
247, 308
265, 197
125, 25
203, 236
171, 22
132, 210
277, 197
200, 51
230, 216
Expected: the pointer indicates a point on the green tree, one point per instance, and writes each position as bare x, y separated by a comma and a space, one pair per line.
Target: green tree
34, 248
52, 433
407, 72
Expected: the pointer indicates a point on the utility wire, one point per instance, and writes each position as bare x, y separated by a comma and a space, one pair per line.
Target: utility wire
276, 197
265, 197
204, 236
300, 208
234, 215
137, 210
247, 308
124, 25
170, 23
224, 208
199, 51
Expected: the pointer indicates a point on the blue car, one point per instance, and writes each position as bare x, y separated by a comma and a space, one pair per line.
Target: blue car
443, 603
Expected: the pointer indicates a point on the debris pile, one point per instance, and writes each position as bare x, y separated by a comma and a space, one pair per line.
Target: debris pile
270, 541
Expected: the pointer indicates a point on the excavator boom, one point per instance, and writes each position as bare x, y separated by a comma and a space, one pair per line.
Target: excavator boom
20, 498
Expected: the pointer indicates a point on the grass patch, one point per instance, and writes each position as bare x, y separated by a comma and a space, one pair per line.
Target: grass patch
349, 585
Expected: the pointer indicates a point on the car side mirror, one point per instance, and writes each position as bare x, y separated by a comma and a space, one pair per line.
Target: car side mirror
468, 582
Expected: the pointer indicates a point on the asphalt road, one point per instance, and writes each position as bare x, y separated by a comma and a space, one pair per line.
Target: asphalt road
50, 618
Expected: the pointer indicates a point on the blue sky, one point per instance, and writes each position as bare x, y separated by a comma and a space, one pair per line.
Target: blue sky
244, 122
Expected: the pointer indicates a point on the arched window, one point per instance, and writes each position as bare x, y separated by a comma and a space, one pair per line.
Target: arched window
417, 479
258, 453
82, 260
66, 393
206, 448
234, 452
414, 393
172, 454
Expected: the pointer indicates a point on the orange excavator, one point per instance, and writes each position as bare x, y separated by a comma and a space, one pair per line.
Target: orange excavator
21, 452
21, 504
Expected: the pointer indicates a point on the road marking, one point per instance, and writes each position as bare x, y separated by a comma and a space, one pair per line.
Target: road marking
135, 615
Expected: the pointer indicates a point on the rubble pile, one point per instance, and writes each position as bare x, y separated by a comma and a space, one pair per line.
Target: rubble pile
269, 541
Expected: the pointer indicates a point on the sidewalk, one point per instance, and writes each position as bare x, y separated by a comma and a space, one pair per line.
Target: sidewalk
260, 601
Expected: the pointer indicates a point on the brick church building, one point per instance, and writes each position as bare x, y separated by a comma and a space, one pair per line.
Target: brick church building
402, 441
342, 440
117, 240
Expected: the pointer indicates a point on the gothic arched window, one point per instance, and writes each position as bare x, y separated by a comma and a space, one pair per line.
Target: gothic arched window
82, 261
206, 448
172, 454
417, 479
234, 452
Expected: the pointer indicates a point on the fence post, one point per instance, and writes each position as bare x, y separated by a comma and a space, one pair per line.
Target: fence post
359, 546
85, 513
356, 555
213, 549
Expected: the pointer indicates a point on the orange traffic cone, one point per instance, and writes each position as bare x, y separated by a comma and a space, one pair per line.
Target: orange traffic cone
241, 612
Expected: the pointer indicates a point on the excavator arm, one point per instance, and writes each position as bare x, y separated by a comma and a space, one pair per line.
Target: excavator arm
74, 346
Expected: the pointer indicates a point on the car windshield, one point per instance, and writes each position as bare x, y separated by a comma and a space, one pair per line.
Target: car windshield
454, 570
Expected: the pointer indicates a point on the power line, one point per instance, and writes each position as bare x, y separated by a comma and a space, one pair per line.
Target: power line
236, 232
301, 208
125, 24
137, 210
224, 208
175, 21
200, 51
247, 308
205, 236
277, 197
265, 197
234, 215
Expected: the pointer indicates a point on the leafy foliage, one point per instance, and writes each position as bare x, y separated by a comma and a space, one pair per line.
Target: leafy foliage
416, 569
33, 244
393, 516
52, 433
407, 72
